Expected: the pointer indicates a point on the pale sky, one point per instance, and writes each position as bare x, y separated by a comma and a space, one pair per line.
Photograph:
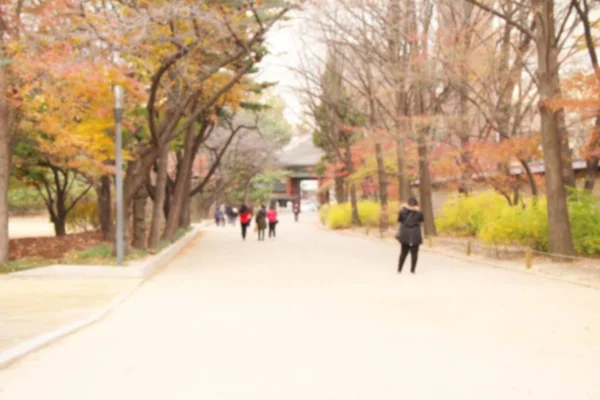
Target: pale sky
285, 42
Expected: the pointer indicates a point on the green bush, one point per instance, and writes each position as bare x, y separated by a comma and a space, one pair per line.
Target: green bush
24, 199
585, 222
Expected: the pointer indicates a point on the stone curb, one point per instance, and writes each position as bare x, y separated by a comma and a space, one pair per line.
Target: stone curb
471, 260
21, 350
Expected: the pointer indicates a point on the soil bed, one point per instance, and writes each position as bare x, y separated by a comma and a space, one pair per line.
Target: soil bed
53, 248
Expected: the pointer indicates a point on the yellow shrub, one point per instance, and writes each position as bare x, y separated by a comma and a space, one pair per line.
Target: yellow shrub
466, 215
489, 217
339, 216
393, 211
83, 217
369, 213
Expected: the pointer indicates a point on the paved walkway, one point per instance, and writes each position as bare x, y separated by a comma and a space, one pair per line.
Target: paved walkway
317, 315
33, 306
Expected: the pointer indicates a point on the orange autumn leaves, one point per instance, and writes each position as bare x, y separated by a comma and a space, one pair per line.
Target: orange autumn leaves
481, 159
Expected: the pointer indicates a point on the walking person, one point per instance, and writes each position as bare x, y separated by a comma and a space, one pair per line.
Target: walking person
272, 218
245, 219
409, 235
261, 222
296, 210
218, 217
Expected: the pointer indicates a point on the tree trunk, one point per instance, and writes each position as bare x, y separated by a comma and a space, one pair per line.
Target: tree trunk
185, 219
103, 195
561, 241
186, 214
566, 153
168, 197
139, 218
57, 211
383, 195
403, 181
425, 188
516, 195
159, 199
592, 159
353, 195
592, 171
60, 225
5, 163
530, 178
398, 70
128, 200
340, 192
180, 194
127, 225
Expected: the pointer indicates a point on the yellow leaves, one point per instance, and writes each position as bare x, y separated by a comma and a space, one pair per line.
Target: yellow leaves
232, 98
68, 113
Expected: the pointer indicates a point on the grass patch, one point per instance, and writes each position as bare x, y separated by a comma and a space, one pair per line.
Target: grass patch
24, 264
102, 254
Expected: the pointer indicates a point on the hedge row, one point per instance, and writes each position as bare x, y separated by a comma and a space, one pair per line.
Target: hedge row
339, 216
490, 218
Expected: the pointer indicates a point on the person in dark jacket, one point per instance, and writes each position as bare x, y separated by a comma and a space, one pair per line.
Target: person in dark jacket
410, 236
261, 222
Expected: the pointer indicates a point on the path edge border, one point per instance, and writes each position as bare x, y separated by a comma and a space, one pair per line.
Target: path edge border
38, 342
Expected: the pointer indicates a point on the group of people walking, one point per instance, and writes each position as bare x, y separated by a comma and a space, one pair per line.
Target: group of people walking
226, 214
263, 220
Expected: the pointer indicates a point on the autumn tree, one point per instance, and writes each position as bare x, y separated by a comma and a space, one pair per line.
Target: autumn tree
546, 38
585, 10
191, 56
24, 25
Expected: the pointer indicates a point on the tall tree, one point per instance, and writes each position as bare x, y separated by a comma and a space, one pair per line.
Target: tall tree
545, 37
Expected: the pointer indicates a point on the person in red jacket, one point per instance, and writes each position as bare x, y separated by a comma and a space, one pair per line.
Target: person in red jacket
272, 217
245, 219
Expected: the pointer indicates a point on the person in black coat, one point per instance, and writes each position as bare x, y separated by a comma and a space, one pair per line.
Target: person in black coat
261, 222
409, 235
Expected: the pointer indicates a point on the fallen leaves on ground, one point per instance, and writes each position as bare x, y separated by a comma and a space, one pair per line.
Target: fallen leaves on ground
53, 248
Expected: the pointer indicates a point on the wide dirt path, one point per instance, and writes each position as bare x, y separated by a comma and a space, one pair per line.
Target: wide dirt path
317, 315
